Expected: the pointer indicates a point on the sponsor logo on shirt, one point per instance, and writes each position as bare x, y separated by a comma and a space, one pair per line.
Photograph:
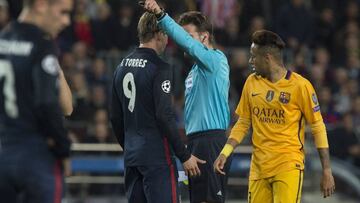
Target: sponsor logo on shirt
269, 115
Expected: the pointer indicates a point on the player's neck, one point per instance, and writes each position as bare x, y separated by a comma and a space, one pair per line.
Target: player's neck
150, 45
277, 73
26, 16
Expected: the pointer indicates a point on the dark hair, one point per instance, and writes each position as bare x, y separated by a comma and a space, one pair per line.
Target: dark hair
267, 38
30, 3
200, 21
147, 27
269, 42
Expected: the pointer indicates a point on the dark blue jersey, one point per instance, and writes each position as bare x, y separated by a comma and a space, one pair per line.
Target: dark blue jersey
142, 114
29, 103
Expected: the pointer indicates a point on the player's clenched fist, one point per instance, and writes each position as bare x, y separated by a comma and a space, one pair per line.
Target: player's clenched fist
151, 6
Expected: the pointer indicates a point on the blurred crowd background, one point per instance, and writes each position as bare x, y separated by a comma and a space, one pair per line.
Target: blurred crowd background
323, 45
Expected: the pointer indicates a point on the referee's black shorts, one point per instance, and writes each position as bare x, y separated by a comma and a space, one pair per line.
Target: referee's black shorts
210, 186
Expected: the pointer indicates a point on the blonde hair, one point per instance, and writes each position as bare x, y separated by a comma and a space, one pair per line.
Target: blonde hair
147, 27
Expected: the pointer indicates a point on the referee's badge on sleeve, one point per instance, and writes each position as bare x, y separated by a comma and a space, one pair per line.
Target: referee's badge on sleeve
50, 65
166, 86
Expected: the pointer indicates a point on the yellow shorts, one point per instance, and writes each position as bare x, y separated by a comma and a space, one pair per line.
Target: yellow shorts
281, 188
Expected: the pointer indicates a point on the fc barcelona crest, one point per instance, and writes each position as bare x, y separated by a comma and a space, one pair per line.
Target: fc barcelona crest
284, 97
270, 95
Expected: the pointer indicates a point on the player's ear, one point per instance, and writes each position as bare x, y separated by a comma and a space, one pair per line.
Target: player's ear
158, 36
206, 36
41, 6
268, 56
203, 37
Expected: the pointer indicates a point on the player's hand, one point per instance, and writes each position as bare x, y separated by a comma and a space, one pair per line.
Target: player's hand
191, 166
152, 6
219, 164
66, 164
327, 184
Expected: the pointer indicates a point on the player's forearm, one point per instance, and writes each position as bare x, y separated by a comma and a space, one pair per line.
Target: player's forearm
318, 130
324, 158
51, 119
65, 96
178, 146
229, 147
240, 129
232, 142
238, 132
176, 32
191, 46
118, 128
116, 115
166, 119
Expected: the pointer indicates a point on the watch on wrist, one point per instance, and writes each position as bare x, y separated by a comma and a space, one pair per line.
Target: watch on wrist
160, 15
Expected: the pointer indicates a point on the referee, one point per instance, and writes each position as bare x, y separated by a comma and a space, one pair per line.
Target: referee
206, 98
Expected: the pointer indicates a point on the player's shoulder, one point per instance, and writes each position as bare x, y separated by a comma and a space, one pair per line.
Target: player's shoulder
27, 40
162, 65
47, 43
217, 54
253, 77
156, 62
299, 80
26, 31
44, 44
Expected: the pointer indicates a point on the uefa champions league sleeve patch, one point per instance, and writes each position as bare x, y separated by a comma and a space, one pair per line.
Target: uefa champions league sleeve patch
166, 86
50, 65
314, 98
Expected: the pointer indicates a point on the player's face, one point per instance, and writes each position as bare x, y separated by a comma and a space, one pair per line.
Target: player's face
58, 16
257, 61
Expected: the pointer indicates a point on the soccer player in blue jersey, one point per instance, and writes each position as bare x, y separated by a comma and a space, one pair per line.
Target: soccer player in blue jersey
206, 97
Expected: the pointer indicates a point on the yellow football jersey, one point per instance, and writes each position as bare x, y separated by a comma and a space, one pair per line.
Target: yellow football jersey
278, 112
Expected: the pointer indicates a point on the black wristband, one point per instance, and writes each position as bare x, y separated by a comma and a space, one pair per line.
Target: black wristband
160, 15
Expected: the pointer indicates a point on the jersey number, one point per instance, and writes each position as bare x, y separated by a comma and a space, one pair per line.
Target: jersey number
7, 73
130, 93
